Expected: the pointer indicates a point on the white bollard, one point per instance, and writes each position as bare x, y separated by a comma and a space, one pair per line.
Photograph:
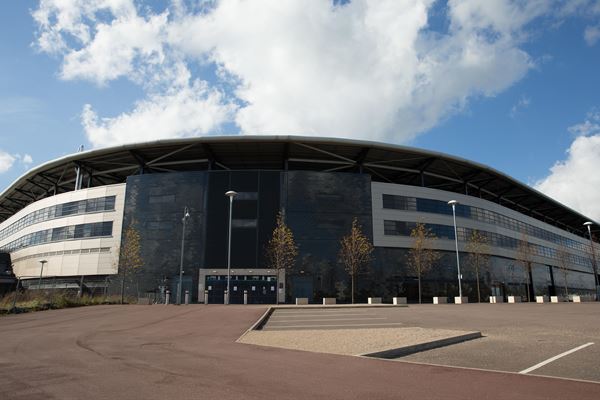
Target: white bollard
461, 300
225, 297
206, 297
245, 297
399, 300
440, 300
187, 297
541, 299
167, 297
496, 299
329, 300
576, 298
554, 299
514, 299
301, 301
374, 300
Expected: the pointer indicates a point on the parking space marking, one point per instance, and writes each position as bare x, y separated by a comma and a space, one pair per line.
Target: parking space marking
300, 315
329, 326
548, 361
323, 319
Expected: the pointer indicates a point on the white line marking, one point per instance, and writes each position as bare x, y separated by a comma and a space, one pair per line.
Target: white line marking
566, 353
314, 315
320, 320
328, 326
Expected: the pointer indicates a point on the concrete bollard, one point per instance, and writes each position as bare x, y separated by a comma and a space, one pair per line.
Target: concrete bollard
329, 300
168, 297
245, 297
206, 297
554, 299
302, 301
374, 300
576, 298
496, 299
187, 297
514, 299
440, 300
541, 299
225, 297
461, 300
399, 300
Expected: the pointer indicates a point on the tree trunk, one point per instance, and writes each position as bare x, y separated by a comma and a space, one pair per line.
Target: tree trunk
419, 288
528, 282
352, 288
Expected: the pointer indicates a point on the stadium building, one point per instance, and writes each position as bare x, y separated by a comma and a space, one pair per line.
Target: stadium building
62, 223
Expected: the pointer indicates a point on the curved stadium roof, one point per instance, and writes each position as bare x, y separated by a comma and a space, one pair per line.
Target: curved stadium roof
384, 162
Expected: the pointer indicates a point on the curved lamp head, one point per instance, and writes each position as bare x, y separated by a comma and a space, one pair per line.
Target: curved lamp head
453, 202
231, 194
588, 223
43, 261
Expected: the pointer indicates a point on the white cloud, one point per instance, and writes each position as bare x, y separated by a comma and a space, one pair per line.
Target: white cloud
370, 68
6, 161
187, 111
592, 35
521, 104
574, 181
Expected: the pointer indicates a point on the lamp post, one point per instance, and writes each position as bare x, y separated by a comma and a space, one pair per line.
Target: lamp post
589, 228
453, 203
41, 272
186, 215
231, 194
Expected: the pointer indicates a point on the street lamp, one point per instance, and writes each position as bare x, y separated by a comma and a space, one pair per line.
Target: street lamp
186, 215
41, 272
453, 203
589, 228
231, 194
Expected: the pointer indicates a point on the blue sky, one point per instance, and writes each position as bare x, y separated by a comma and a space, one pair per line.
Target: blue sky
510, 84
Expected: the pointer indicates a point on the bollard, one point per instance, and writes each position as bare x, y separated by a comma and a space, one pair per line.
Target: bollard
225, 297
187, 297
206, 297
245, 297
167, 297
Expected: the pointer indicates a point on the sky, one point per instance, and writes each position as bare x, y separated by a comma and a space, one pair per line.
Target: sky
514, 85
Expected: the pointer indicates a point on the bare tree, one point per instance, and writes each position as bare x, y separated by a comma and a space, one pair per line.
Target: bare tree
130, 260
478, 256
355, 252
563, 258
421, 257
525, 259
281, 251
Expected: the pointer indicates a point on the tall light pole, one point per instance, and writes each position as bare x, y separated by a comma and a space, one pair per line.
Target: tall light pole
231, 194
186, 215
453, 203
42, 262
589, 228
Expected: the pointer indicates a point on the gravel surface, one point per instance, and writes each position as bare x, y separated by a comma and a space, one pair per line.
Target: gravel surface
347, 341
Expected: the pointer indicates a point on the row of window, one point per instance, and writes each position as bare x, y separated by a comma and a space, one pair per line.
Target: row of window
58, 211
403, 228
479, 214
81, 231
63, 252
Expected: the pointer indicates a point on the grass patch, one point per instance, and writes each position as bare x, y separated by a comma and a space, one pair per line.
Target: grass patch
28, 301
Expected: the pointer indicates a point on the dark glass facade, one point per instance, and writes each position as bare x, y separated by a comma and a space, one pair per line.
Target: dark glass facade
319, 208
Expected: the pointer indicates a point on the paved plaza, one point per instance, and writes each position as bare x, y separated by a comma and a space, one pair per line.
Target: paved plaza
190, 352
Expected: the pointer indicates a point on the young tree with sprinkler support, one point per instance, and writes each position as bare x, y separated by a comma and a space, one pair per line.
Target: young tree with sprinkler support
130, 260
281, 251
421, 257
478, 256
355, 252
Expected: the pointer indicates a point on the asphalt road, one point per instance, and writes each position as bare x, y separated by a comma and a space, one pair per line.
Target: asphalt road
189, 352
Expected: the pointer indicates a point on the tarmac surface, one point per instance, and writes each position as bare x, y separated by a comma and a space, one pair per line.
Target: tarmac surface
189, 352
